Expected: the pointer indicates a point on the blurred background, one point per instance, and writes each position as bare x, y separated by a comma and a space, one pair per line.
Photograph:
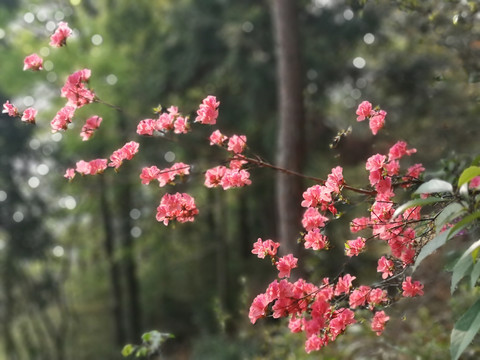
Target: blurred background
84, 266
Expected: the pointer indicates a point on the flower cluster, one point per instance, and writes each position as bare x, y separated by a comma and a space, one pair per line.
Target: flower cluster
180, 207
319, 201
232, 176
165, 176
383, 170
376, 117
59, 37
227, 178
91, 124
208, 111
126, 152
324, 312
167, 121
27, 116
82, 167
98, 166
75, 89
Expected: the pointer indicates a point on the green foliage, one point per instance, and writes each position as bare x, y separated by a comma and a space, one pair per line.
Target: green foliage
434, 186
461, 215
151, 344
465, 330
468, 174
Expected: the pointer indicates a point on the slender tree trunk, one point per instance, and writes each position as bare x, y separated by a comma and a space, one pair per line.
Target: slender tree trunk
125, 205
113, 265
290, 137
130, 266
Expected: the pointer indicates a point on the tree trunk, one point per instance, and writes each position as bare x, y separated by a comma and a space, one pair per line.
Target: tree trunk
113, 266
290, 137
125, 205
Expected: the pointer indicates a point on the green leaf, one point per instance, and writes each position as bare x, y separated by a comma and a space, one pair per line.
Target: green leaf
466, 221
142, 351
475, 274
128, 350
465, 330
416, 202
463, 265
468, 174
146, 337
450, 212
434, 186
430, 247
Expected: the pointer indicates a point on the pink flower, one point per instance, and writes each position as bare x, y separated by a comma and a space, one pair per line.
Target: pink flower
33, 62
314, 343
344, 284
375, 176
315, 195
355, 247
258, 308
180, 207
10, 109
29, 115
63, 118
83, 167
384, 188
236, 164
415, 171
208, 111
59, 38
237, 143
168, 175
359, 296
98, 166
376, 297
75, 90
392, 167
235, 178
217, 138
412, 289
335, 179
364, 111
93, 167
90, 126
313, 219
359, 224
125, 153
375, 162
69, 174
181, 125
342, 318
165, 122
412, 213
474, 183
315, 240
285, 264
146, 127
378, 322
264, 248
213, 177
148, 174
377, 121
295, 324
399, 150
130, 149
385, 266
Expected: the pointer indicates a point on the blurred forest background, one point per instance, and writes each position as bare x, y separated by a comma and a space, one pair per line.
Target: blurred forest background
84, 266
